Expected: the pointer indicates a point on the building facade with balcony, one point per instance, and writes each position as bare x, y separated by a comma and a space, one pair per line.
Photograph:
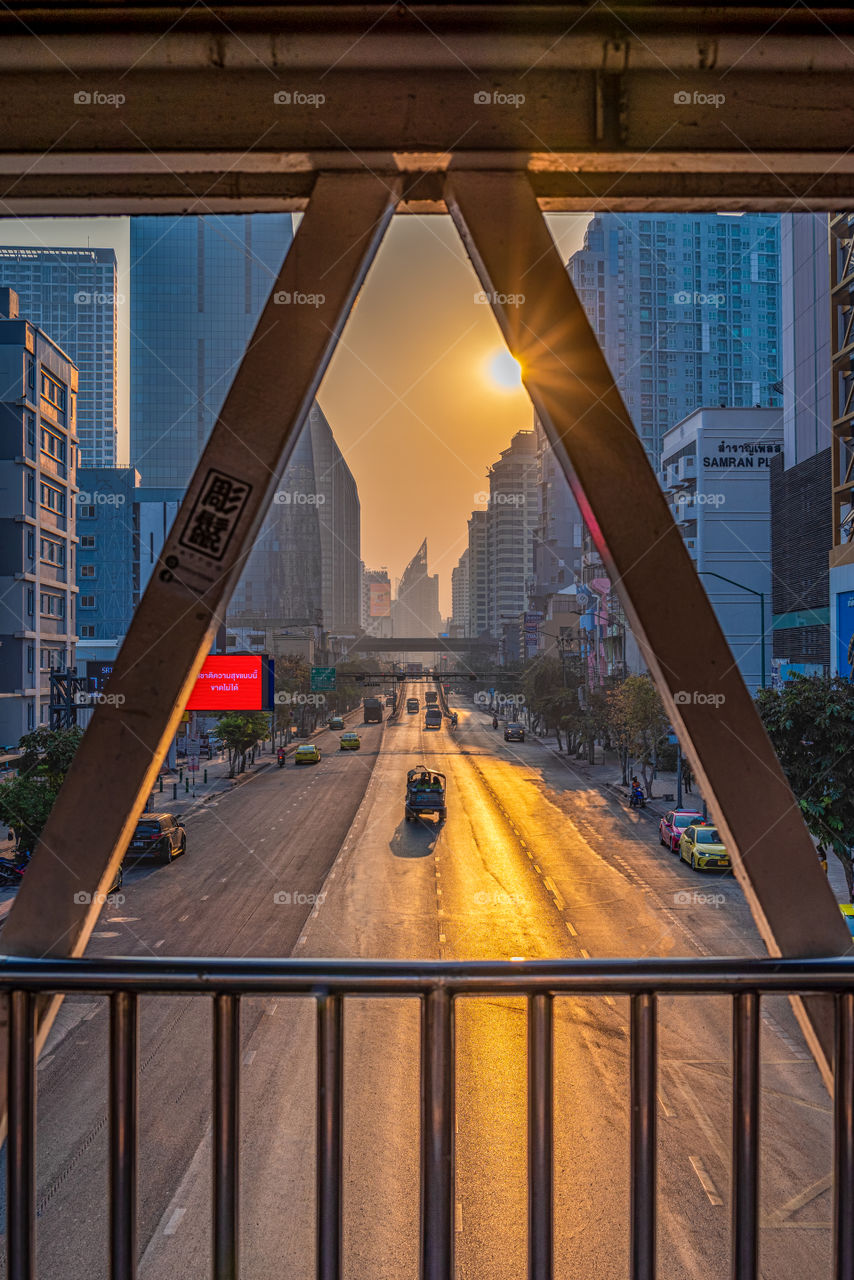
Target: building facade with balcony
686, 308
38, 459
460, 599
511, 526
716, 474
107, 571
72, 295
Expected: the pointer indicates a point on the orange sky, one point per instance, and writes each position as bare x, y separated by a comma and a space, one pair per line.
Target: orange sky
409, 396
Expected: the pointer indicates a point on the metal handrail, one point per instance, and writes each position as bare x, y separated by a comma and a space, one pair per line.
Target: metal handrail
436, 984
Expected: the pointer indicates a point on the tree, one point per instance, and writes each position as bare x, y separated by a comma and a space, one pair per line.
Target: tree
239, 733
810, 721
27, 799
637, 720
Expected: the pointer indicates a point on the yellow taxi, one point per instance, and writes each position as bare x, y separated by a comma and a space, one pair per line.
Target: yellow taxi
702, 847
350, 742
308, 754
847, 909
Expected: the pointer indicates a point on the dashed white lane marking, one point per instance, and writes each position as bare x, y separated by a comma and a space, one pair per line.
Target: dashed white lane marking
458, 1216
442, 937
205, 897
586, 954
705, 1180
105, 933
571, 928
248, 1057
552, 888
172, 1225
181, 919
664, 1103
159, 944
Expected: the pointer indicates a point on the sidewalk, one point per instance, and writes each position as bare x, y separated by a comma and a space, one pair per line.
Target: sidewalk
608, 777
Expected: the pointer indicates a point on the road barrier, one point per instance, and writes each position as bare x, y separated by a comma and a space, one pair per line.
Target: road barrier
436, 984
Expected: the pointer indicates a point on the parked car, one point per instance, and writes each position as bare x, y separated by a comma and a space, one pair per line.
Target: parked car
672, 825
703, 848
514, 733
307, 754
350, 742
158, 835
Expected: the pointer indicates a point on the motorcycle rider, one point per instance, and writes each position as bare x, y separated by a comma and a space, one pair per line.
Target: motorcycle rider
280, 757
637, 797
495, 722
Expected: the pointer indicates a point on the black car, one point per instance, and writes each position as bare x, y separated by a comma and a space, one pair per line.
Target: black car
514, 733
158, 835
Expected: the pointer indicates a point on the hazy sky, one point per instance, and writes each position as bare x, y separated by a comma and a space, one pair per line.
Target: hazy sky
409, 395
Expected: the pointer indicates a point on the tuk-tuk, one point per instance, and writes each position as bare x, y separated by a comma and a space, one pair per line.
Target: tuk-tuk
425, 793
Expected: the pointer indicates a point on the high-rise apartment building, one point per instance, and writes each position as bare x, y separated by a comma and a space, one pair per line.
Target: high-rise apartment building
197, 287
38, 468
686, 308
559, 535
478, 575
376, 602
72, 294
511, 526
339, 515
460, 598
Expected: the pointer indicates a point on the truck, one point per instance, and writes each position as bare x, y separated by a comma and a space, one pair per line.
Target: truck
373, 711
431, 696
433, 718
412, 706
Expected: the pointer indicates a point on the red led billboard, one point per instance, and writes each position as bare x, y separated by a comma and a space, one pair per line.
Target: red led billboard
238, 682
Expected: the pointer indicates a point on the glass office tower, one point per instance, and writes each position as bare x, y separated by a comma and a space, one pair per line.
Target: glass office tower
197, 287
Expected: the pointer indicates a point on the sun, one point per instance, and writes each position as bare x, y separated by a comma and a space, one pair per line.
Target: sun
505, 370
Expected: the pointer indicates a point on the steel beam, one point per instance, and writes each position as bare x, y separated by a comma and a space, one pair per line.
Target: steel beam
177, 109
120, 756
596, 444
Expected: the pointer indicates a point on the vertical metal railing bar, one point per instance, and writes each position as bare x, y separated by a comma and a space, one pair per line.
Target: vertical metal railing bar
643, 1135
843, 1135
123, 1134
437, 1135
329, 1158
540, 1137
226, 1136
745, 1136
21, 1145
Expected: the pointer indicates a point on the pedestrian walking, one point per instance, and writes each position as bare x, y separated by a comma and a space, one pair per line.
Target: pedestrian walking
687, 777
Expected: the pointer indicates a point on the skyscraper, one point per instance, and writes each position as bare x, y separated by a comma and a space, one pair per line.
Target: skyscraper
559, 535
460, 618
416, 609
512, 520
686, 308
197, 287
72, 295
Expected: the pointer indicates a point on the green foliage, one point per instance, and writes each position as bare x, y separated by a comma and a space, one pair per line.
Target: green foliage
27, 799
239, 733
637, 720
810, 722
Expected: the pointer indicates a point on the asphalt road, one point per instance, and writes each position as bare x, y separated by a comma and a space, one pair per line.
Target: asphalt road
531, 862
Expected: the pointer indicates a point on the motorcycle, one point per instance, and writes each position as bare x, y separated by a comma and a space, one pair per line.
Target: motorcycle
280, 759
637, 800
495, 722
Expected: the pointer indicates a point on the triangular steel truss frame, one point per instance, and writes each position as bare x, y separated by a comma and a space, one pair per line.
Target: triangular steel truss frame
596, 444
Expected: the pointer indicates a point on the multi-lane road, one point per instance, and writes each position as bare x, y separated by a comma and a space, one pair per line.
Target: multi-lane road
532, 861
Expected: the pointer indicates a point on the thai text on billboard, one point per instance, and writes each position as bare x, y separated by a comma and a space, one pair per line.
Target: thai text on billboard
232, 683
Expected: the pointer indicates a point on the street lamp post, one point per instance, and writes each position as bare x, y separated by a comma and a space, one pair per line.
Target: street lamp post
761, 594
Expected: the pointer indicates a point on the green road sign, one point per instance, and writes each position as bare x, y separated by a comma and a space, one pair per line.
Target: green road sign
322, 678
